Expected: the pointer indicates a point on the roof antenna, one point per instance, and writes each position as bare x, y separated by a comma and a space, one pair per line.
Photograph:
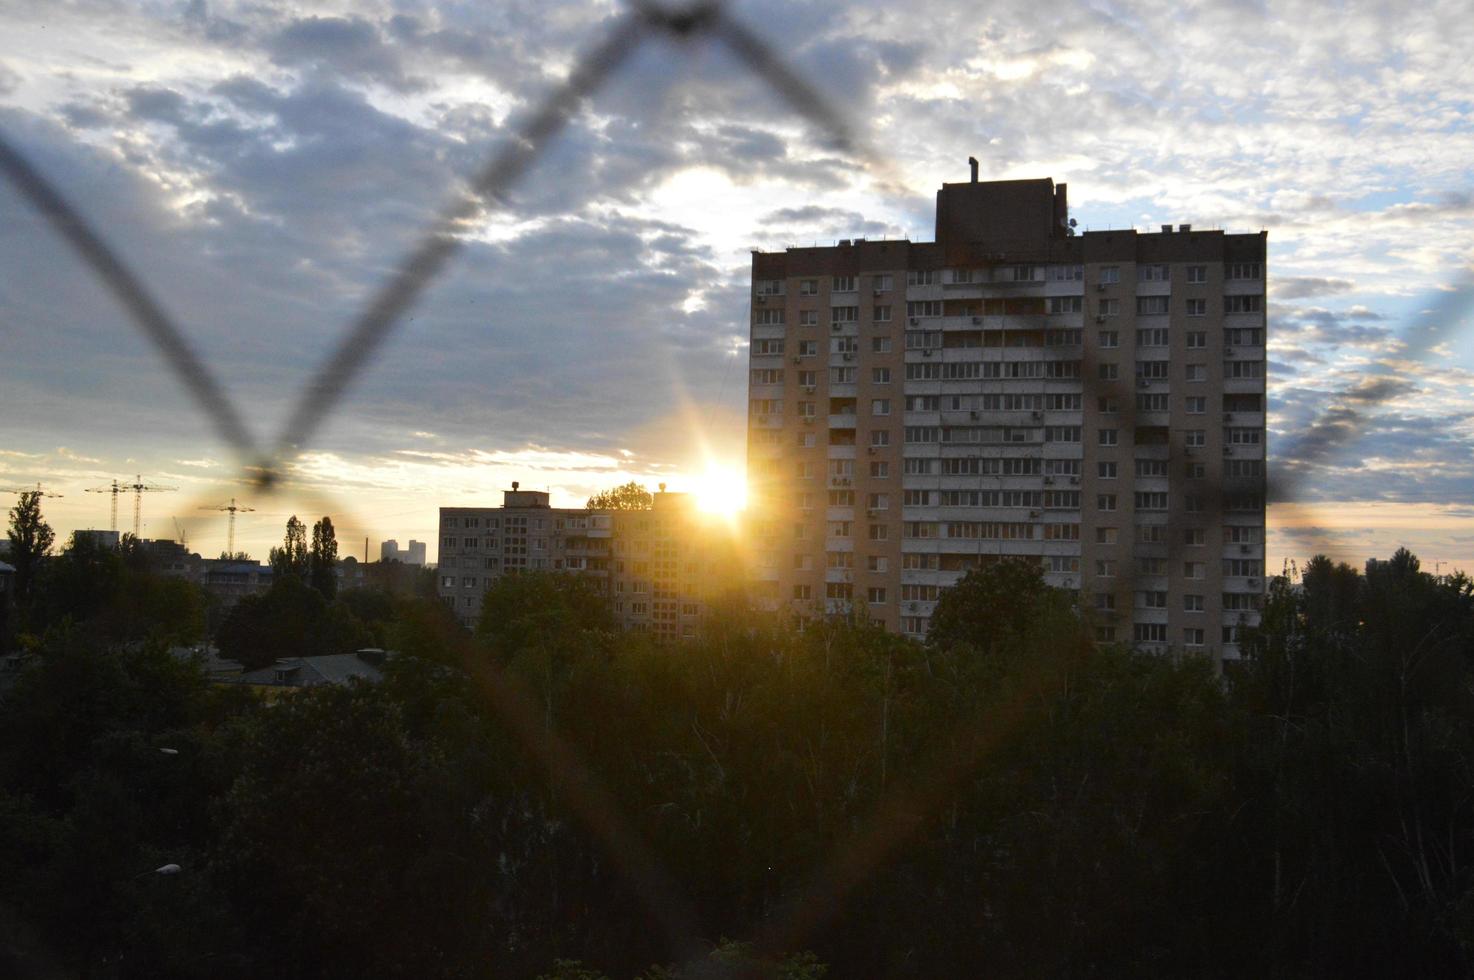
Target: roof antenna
973, 162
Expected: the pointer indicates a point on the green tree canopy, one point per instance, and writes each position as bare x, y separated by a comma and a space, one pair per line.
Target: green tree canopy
630, 496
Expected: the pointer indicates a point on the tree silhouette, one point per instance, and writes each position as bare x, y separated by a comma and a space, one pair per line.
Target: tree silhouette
30, 540
322, 561
629, 496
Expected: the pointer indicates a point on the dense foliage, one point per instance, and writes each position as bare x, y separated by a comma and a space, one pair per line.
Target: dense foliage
552, 798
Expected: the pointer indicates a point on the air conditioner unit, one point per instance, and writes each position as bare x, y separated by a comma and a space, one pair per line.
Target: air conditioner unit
1253, 583
808, 420
926, 352
973, 415
797, 359
1228, 350
977, 320
835, 327
1143, 382
761, 298
808, 389
1100, 287
1228, 450
1037, 416
1074, 481
870, 450
1228, 416
912, 607
849, 357
1243, 549
1049, 481
1034, 515
1100, 318
879, 291
914, 321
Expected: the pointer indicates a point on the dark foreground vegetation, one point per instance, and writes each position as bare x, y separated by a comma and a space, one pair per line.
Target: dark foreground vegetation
550, 798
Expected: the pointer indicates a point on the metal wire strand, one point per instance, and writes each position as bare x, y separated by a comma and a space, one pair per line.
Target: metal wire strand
129, 290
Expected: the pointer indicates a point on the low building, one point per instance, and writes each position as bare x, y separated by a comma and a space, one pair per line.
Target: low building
337, 669
661, 568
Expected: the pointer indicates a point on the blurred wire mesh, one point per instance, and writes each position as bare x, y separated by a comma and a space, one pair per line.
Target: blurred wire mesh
264, 462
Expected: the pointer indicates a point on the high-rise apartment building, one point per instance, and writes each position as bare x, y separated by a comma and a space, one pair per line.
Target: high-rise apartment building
1094, 402
661, 568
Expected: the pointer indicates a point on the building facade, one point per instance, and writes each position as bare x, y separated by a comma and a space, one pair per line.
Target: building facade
414, 554
1093, 402
661, 568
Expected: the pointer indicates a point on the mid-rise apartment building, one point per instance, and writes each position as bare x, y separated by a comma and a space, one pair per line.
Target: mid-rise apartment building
662, 568
1094, 402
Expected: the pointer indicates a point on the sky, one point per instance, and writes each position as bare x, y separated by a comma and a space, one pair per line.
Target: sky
265, 165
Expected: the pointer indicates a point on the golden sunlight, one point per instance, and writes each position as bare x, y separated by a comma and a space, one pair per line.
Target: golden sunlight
722, 489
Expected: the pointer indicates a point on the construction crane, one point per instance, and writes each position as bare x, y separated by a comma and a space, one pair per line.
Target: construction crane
139, 488
114, 488
35, 489
233, 508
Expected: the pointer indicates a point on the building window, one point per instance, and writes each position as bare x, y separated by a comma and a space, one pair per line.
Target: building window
1105, 470
1109, 307
1242, 304
808, 318
808, 287
1065, 304
875, 595
1197, 307
880, 471
880, 345
1108, 372
881, 282
1197, 339
842, 284
1197, 372
1105, 501
1109, 338
1197, 273
1192, 603
1110, 273
1150, 632
1108, 437
1242, 270
923, 277
880, 406
881, 314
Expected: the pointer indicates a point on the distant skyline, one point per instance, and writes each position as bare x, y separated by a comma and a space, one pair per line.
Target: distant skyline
263, 164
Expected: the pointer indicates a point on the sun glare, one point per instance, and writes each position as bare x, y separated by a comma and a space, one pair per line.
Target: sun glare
721, 490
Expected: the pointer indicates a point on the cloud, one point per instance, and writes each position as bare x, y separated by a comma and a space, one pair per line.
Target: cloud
1305, 287
349, 47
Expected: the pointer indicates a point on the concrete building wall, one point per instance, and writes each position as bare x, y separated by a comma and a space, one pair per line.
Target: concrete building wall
1094, 402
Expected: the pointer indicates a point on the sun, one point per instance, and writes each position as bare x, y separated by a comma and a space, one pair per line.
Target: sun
722, 489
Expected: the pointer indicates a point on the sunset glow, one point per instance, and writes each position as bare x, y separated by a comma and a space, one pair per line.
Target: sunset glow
722, 489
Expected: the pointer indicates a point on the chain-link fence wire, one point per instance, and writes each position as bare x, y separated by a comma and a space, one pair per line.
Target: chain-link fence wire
264, 464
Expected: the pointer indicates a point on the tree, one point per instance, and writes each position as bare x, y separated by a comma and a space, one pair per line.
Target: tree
630, 496
322, 561
291, 557
1003, 606
289, 620
30, 540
